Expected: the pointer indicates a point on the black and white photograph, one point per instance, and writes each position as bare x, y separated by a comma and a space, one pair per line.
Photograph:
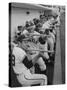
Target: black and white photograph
36, 44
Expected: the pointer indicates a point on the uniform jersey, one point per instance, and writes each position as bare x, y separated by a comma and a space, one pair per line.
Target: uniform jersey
45, 47
46, 25
52, 35
18, 54
54, 31
36, 37
50, 42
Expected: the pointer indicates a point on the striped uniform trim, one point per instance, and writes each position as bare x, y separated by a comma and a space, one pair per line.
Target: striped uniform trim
33, 79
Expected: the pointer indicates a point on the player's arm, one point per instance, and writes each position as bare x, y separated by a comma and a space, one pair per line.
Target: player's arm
27, 63
34, 60
41, 54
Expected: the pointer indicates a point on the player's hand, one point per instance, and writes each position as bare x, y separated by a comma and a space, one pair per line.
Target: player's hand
32, 70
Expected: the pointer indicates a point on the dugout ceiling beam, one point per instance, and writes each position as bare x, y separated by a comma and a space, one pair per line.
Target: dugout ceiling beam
30, 6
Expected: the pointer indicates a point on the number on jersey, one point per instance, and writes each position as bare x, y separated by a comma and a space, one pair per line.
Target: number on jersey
13, 60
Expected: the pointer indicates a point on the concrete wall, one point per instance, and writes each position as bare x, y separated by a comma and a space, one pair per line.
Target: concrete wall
19, 17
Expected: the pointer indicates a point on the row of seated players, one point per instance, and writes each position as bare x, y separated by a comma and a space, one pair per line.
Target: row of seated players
42, 22
41, 34
38, 31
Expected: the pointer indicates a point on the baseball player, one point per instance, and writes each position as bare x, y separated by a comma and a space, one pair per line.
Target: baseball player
35, 37
52, 34
50, 40
33, 54
53, 29
44, 46
46, 25
19, 30
22, 65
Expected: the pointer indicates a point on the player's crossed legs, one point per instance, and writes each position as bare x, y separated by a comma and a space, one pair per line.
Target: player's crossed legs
32, 79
